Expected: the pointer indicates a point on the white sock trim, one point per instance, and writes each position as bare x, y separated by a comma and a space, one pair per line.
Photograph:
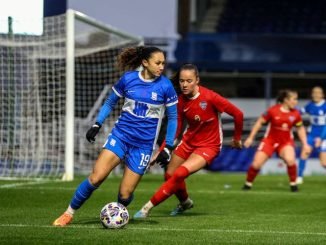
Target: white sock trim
70, 210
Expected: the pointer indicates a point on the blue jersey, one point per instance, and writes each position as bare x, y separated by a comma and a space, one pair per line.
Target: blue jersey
317, 114
143, 109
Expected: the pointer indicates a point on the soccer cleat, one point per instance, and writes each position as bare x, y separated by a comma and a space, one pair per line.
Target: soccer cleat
299, 181
246, 187
63, 220
294, 188
181, 207
141, 215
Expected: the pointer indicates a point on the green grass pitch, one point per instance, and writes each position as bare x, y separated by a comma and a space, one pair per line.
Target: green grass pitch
223, 214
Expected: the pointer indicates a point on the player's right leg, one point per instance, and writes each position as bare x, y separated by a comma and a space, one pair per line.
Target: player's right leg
108, 159
264, 151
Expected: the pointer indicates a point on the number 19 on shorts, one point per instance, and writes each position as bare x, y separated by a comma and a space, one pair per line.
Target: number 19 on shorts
144, 160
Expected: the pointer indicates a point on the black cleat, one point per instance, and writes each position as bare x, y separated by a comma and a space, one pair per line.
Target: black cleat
246, 187
294, 188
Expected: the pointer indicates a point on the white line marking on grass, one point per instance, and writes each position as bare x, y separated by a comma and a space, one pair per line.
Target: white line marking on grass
23, 185
151, 229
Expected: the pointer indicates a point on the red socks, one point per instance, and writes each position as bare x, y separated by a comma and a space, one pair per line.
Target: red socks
251, 174
181, 192
292, 172
171, 186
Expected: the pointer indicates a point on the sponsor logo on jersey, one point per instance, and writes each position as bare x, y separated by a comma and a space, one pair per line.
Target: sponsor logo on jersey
203, 105
197, 118
284, 125
154, 96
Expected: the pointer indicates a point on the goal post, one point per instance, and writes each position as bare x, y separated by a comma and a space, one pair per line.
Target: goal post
52, 86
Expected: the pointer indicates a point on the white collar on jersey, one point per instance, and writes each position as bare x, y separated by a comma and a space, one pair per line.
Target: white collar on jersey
145, 80
195, 96
320, 103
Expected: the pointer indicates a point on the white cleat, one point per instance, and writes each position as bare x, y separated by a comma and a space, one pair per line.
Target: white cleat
299, 180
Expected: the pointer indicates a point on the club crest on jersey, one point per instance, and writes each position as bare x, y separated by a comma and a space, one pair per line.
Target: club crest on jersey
154, 96
203, 105
291, 118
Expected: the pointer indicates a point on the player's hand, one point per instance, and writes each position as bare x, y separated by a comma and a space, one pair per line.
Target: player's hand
306, 149
92, 132
236, 144
164, 156
248, 142
318, 142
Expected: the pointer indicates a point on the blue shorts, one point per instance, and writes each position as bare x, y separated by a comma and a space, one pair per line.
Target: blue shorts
311, 141
136, 158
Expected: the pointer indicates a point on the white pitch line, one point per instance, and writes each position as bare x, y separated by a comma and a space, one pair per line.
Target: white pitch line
151, 229
23, 186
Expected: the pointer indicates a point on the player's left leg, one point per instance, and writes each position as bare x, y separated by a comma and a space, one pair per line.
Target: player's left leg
181, 193
287, 153
128, 185
191, 165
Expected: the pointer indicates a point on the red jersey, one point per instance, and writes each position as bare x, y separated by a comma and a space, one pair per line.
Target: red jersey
281, 123
203, 116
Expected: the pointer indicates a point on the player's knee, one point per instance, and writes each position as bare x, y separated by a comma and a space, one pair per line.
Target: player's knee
290, 162
181, 173
96, 179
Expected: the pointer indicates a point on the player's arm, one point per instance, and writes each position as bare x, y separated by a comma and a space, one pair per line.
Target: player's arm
255, 129
104, 112
223, 105
166, 148
237, 115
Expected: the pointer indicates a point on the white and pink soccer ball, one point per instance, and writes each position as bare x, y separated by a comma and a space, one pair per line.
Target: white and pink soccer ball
114, 215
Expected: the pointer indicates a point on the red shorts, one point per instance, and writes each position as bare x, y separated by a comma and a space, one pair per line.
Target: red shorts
184, 150
269, 146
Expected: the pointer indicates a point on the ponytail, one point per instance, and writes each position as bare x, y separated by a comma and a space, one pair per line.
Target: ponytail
131, 58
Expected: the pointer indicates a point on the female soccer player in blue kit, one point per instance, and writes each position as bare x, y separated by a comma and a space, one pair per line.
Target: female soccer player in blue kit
147, 94
316, 109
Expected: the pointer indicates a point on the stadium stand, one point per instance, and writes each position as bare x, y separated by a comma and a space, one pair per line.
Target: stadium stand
273, 16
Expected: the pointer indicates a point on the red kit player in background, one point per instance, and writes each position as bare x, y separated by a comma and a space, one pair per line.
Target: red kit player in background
201, 142
281, 118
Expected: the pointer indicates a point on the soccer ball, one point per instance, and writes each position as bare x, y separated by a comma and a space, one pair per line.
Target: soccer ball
114, 215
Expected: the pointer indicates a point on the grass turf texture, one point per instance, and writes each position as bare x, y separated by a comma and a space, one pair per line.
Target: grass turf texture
223, 214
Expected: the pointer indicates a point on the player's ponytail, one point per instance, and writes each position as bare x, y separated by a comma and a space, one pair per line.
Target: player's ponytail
131, 58
283, 94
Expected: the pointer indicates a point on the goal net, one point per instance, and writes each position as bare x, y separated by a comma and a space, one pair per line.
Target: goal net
52, 86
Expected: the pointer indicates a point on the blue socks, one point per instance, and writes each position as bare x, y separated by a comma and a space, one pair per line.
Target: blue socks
302, 166
125, 202
83, 192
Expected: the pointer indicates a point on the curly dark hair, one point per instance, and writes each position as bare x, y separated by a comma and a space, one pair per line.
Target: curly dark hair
131, 58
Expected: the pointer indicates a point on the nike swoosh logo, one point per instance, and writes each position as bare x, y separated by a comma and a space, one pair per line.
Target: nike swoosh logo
187, 109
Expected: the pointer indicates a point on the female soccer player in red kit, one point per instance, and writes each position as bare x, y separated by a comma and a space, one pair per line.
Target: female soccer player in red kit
281, 118
201, 142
